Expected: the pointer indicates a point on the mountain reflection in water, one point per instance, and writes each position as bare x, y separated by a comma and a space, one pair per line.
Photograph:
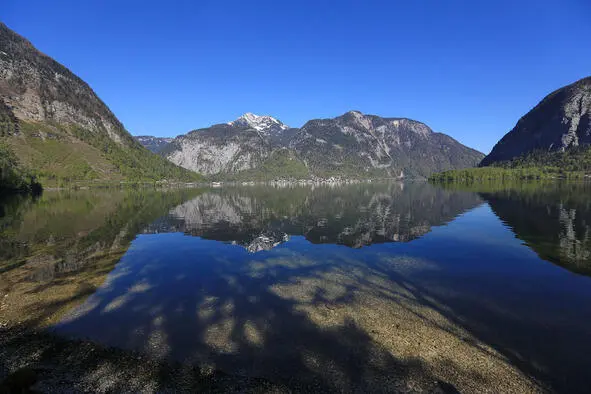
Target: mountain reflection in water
354, 216
553, 219
362, 287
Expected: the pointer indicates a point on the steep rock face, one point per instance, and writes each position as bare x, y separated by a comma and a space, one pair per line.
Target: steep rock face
59, 127
37, 88
356, 144
227, 148
559, 122
8, 122
153, 144
352, 145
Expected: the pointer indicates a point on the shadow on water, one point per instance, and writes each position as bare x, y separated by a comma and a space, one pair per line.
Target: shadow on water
315, 314
284, 319
546, 337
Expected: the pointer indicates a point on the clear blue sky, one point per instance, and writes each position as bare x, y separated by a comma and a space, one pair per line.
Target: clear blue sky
466, 68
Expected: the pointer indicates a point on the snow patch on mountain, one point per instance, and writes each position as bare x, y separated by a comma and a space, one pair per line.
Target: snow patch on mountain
264, 124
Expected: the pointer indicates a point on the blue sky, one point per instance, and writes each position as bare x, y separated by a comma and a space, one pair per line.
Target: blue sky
466, 68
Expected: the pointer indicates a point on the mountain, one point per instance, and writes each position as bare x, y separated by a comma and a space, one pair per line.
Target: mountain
353, 145
358, 144
267, 126
225, 148
252, 146
559, 123
153, 144
60, 128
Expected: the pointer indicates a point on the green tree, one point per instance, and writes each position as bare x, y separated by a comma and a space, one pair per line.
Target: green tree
14, 178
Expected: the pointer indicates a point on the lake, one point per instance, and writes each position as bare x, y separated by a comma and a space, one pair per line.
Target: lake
365, 287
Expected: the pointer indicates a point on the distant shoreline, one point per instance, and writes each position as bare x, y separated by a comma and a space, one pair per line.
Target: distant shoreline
85, 185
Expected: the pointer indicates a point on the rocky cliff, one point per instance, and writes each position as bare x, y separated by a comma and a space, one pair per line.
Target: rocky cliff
352, 145
37, 88
561, 121
222, 148
359, 144
59, 127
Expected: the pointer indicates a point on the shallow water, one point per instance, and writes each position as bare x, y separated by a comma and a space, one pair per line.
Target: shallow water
350, 287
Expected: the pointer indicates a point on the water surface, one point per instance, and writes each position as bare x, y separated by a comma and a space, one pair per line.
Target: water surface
344, 287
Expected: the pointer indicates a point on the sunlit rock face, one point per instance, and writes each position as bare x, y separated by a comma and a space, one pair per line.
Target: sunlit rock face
562, 120
57, 126
240, 145
34, 87
224, 148
353, 144
371, 144
354, 215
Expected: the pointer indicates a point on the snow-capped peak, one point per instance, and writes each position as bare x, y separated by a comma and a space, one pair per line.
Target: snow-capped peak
261, 123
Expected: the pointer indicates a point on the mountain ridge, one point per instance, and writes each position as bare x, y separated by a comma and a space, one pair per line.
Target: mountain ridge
59, 128
152, 143
558, 123
352, 145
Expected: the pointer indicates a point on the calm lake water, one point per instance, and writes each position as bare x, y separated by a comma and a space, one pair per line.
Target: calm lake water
344, 287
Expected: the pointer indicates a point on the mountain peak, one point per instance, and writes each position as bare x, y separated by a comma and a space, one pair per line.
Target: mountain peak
250, 117
37, 91
262, 123
357, 118
353, 114
561, 121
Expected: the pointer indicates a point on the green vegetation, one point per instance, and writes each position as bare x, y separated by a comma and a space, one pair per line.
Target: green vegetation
133, 161
574, 163
13, 177
282, 164
77, 137
61, 155
499, 174
285, 164
573, 160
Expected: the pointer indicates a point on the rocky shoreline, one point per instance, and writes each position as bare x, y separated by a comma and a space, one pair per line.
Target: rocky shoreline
34, 360
40, 361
